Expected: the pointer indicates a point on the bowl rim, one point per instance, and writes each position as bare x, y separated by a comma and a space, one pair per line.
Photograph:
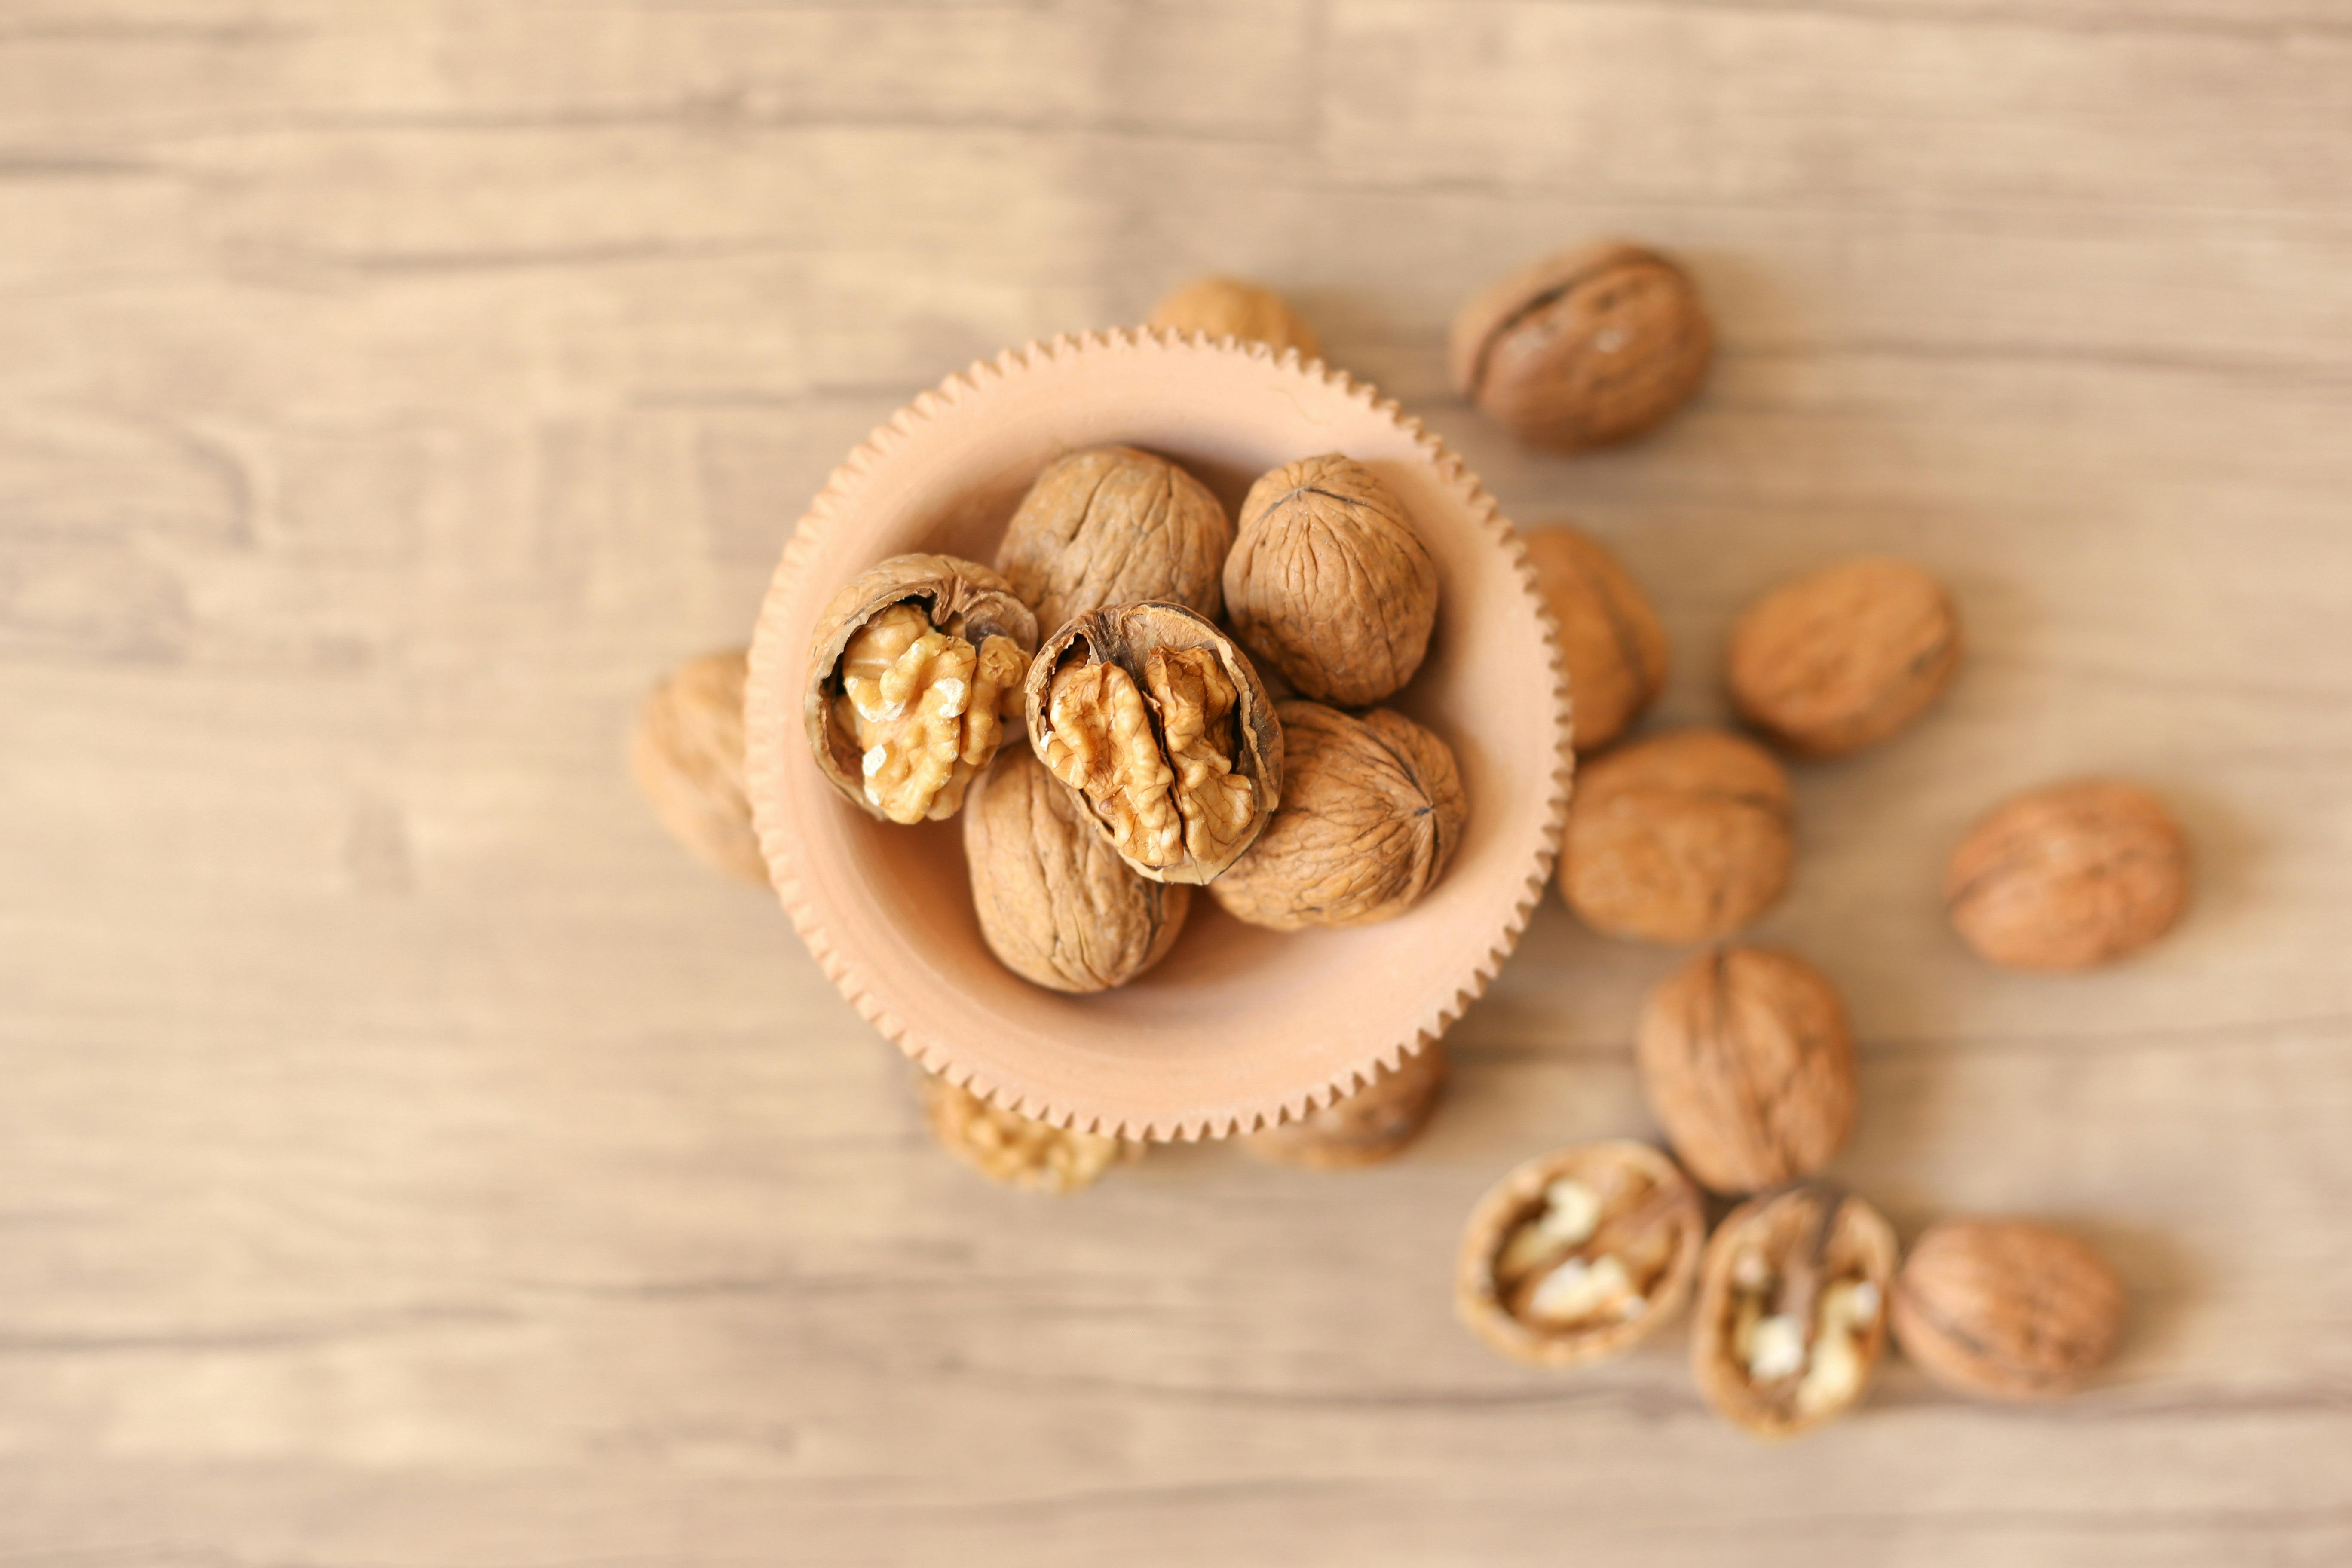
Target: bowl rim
769, 745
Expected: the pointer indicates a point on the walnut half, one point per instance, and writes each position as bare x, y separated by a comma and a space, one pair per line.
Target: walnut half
1159, 725
913, 670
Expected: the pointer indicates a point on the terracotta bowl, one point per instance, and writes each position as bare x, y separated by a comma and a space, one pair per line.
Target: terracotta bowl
1237, 1028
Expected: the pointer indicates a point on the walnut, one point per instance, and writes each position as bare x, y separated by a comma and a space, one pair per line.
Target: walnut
1790, 1309
1372, 811
1610, 637
2006, 1308
688, 756
1058, 905
1328, 583
2069, 877
1845, 658
1113, 526
1375, 1123
1579, 1254
1584, 348
1746, 1060
1684, 838
1233, 308
1154, 717
1008, 1147
913, 670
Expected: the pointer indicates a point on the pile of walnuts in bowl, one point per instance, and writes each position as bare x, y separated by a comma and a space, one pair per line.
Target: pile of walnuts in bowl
1142, 696
1092, 706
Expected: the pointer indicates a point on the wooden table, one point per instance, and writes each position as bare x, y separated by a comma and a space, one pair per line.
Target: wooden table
407, 1157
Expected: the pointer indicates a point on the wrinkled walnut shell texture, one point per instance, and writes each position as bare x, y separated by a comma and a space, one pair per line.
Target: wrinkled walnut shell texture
687, 758
2069, 877
1845, 658
1372, 811
1234, 307
1112, 525
1746, 1060
1007, 1147
1375, 1123
961, 598
1328, 581
1610, 637
1781, 1227
1057, 904
1125, 636
2007, 1309
1684, 838
1508, 1203
1588, 347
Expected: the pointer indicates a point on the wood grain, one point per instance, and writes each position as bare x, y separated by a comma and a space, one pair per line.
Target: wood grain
409, 1158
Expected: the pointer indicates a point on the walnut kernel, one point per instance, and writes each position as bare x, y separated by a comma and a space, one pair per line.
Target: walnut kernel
1844, 657
1008, 1147
1112, 525
2069, 877
1584, 348
1328, 581
1372, 811
1684, 838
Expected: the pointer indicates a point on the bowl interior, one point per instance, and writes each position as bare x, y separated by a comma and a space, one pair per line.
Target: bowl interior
1237, 1028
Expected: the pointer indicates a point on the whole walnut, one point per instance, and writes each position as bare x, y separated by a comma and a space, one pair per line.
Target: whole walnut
2006, 1308
1610, 637
688, 756
1373, 1124
2069, 877
1163, 727
1681, 838
1372, 811
1748, 1062
1058, 906
1845, 658
1111, 525
913, 669
1584, 348
1234, 307
1330, 582
1792, 1314
1008, 1147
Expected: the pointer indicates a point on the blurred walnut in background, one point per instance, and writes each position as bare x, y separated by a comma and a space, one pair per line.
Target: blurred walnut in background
687, 758
1233, 307
1611, 639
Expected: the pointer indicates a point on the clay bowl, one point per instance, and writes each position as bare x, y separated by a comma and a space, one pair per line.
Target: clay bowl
1237, 1028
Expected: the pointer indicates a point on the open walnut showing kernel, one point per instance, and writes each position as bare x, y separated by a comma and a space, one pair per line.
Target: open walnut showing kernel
913, 670
1164, 729
1581, 1254
1007, 1147
1792, 1309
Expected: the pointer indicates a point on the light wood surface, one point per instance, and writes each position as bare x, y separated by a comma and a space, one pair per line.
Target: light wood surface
408, 1157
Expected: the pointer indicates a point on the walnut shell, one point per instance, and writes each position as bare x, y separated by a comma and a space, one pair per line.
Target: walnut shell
1373, 1124
1747, 1061
2006, 1308
1007, 1147
1844, 657
1161, 725
1584, 348
1579, 1254
1111, 525
1792, 1316
1235, 308
2069, 877
970, 607
1610, 637
1058, 906
1684, 838
1372, 811
1328, 581
688, 757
